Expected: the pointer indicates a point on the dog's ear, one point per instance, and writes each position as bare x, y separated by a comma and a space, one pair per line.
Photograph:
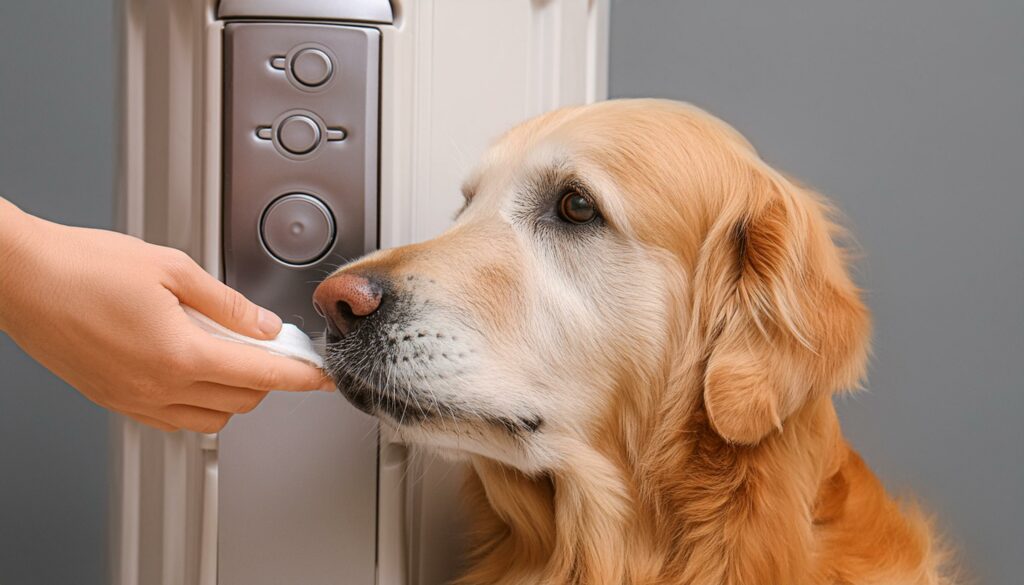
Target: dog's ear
780, 319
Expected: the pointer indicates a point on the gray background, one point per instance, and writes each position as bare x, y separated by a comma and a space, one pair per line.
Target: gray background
57, 76
910, 115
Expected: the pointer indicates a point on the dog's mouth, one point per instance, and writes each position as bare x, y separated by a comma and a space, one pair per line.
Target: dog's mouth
401, 407
394, 403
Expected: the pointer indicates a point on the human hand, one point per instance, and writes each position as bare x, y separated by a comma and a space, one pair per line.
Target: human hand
102, 311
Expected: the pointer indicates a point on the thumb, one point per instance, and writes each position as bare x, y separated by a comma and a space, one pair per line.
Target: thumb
198, 289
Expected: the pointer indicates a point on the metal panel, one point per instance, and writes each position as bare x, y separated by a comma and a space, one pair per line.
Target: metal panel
298, 476
376, 11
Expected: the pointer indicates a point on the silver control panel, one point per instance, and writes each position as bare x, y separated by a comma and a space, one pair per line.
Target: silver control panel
297, 477
300, 158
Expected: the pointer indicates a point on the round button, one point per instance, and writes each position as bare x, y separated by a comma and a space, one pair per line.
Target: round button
312, 67
298, 134
297, 229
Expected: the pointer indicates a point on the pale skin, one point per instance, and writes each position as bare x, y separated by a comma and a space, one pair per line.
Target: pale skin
102, 310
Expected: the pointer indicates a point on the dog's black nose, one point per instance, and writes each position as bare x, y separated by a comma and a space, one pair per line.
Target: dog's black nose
345, 298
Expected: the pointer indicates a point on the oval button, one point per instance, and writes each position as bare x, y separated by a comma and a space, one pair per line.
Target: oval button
297, 229
298, 134
312, 67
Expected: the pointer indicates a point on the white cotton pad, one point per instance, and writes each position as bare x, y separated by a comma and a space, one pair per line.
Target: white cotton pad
290, 342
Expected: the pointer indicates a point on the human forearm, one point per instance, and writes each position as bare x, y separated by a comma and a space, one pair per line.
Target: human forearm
15, 226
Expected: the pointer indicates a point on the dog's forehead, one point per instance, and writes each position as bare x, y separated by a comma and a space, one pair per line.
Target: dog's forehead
650, 162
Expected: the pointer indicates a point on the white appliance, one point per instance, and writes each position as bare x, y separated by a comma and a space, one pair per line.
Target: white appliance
272, 140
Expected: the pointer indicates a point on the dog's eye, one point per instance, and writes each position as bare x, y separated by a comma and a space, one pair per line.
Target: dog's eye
575, 208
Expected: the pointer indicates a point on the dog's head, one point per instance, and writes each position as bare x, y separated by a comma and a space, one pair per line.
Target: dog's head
601, 249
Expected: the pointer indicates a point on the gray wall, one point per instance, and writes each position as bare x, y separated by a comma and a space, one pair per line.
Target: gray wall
57, 161
910, 115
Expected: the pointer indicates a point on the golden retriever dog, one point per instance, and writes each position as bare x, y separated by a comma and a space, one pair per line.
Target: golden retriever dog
632, 334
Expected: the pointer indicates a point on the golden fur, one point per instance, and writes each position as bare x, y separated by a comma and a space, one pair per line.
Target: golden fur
711, 453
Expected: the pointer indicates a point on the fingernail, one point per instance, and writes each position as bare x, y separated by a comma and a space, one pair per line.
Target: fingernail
268, 322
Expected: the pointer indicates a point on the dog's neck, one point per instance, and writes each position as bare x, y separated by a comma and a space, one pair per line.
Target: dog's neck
679, 505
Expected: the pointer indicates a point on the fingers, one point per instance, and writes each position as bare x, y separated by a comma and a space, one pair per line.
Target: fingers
243, 366
221, 398
179, 416
198, 289
205, 408
194, 418
151, 422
